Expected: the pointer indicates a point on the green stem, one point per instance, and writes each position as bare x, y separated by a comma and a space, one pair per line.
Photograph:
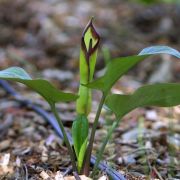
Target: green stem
70, 150
91, 141
101, 151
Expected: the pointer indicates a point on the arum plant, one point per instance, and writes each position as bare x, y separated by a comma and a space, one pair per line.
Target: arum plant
162, 95
88, 54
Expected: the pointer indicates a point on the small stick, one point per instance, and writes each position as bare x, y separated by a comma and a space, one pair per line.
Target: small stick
157, 173
69, 170
26, 172
76, 176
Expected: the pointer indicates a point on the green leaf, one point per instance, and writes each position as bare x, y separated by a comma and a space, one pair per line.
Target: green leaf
80, 137
160, 49
82, 152
162, 95
115, 69
43, 87
119, 66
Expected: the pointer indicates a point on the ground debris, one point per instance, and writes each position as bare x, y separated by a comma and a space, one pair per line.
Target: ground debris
45, 35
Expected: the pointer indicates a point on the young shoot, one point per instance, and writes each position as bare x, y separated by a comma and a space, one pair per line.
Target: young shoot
162, 95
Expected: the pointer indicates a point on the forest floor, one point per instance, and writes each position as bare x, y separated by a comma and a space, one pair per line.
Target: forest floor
43, 37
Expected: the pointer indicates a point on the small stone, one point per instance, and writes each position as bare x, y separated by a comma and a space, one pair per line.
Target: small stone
59, 176
5, 145
159, 125
174, 141
44, 175
148, 145
18, 162
132, 135
151, 115
44, 155
5, 160
103, 178
11, 133
73, 178
127, 160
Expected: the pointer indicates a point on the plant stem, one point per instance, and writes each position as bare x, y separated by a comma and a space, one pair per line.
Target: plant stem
105, 141
86, 163
70, 150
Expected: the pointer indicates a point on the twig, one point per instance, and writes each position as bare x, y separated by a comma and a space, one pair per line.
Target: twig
68, 170
26, 171
157, 173
76, 176
126, 144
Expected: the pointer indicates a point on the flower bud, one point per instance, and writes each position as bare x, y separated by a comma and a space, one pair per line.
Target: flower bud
88, 54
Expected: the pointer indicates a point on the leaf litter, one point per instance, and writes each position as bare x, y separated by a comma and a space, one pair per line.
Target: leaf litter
44, 35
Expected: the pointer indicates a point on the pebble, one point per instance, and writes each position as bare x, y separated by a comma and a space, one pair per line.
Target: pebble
148, 145
73, 178
44, 155
5, 160
18, 162
151, 115
159, 125
127, 160
132, 135
5, 144
103, 178
44, 175
174, 141
59, 176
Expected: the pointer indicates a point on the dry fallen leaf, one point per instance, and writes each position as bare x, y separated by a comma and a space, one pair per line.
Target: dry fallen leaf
83, 177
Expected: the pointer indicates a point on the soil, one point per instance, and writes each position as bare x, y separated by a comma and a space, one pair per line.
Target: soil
43, 37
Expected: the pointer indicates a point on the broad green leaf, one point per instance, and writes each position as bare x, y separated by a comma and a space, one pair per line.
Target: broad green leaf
115, 69
119, 66
160, 49
149, 2
43, 87
162, 95
80, 136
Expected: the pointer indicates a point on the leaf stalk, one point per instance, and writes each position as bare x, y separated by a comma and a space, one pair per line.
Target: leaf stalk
70, 150
101, 151
86, 166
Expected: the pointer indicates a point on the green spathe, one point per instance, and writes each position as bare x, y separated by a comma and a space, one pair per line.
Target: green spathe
88, 56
